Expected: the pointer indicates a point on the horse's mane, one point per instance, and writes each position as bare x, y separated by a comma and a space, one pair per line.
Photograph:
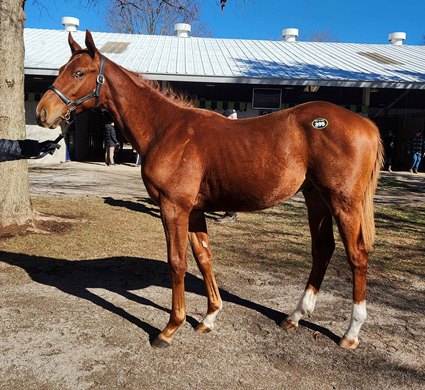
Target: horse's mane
178, 97
181, 98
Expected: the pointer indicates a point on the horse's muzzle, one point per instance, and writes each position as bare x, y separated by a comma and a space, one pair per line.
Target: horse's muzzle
46, 118
41, 117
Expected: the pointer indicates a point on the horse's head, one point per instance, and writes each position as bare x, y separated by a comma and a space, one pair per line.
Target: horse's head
77, 87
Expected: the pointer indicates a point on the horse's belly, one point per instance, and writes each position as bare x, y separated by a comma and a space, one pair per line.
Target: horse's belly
250, 195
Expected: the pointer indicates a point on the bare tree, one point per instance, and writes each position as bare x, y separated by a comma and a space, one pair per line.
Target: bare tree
154, 17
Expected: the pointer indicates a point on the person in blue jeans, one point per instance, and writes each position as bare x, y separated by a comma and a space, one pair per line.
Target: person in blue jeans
416, 148
17, 150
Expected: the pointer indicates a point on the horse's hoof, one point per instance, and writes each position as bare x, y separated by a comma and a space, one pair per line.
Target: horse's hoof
347, 343
202, 328
161, 342
289, 325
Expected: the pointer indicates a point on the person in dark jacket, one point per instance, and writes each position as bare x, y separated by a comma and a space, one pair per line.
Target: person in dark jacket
17, 150
111, 142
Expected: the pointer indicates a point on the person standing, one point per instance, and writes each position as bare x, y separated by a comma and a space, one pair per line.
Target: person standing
229, 216
416, 148
111, 143
11, 150
389, 148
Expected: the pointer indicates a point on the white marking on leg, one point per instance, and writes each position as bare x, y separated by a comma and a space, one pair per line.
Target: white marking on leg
204, 244
209, 319
305, 306
358, 317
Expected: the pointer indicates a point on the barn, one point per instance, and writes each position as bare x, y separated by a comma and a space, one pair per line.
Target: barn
384, 82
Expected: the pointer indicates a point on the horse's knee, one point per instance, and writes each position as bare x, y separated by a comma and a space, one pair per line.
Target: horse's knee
204, 261
178, 267
178, 318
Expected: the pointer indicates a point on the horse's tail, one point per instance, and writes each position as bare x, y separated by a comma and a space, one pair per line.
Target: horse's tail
368, 221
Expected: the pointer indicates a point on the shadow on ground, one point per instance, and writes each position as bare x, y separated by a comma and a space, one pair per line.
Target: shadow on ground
121, 275
148, 206
142, 205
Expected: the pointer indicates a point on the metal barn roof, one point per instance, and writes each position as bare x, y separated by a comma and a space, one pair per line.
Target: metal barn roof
238, 60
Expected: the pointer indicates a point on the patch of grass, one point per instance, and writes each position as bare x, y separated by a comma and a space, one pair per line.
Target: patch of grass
276, 239
269, 239
109, 231
385, 183
400, 243
396, 184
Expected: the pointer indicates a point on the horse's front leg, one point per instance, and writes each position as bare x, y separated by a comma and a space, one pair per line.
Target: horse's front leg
175, 220
199, 241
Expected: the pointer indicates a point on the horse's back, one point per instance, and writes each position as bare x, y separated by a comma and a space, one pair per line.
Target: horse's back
256, 163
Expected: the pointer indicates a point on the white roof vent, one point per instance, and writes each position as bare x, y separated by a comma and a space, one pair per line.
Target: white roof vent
290, 34
397, 38
182, 30
70, 23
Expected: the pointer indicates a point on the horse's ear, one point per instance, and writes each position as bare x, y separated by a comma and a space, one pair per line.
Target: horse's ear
91, 47
72, 44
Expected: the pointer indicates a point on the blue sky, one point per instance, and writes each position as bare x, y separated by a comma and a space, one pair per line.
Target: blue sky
358, 21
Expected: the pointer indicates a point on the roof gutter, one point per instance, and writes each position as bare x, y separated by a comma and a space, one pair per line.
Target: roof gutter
257, 80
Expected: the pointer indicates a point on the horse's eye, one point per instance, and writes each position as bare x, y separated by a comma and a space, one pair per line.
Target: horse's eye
78, 74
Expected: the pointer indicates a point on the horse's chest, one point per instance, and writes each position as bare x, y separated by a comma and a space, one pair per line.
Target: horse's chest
150, 186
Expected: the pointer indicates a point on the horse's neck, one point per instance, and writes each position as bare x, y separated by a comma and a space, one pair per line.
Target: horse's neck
142, 113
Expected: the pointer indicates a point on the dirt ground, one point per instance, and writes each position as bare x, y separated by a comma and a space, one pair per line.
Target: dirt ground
79, 323
123, 181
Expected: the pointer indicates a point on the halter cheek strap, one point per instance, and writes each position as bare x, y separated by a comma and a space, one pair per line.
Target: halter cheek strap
72, 104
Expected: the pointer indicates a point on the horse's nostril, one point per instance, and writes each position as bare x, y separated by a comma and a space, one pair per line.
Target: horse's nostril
43, 115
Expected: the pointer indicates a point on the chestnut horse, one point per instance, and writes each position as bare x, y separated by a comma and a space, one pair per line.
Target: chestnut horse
194, 160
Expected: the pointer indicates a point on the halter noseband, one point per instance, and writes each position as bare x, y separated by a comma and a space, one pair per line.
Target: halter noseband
72, 104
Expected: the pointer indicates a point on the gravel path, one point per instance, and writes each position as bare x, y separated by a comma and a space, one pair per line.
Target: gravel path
124, 181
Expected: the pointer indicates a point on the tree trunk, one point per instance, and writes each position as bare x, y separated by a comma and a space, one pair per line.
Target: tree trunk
15, 204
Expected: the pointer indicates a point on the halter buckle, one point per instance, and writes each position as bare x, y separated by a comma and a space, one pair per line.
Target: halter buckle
67, 116
100, 79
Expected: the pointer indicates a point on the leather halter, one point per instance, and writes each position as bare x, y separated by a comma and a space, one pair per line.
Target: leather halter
72, 104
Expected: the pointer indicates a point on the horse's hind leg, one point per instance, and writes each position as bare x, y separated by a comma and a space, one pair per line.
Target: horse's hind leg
323, 245
349, 223
199, 241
